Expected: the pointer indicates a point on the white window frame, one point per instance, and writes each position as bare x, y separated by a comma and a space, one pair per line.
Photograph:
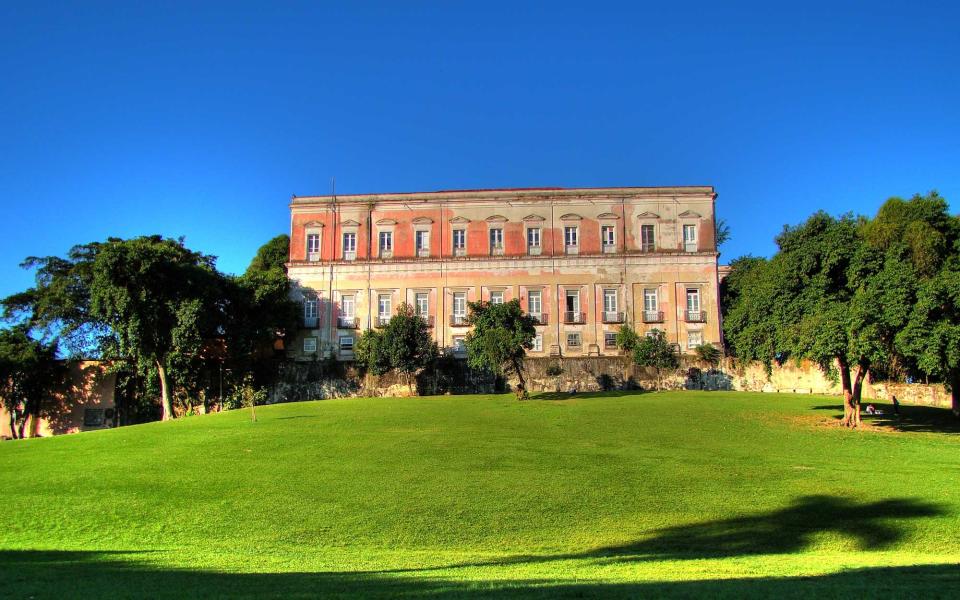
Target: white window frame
310, 345
538, 294
690, 243
537, 343
496, 245
690, 338
380, 305
313, 253
349, 250
348, 307
650, 246
421, 242
311, 310
348, 347
421, 311
574, 335
461, 249
610, 307
386, 250
496, 296
571, 239
534, 241
607, 335
608, 245
459, 343
459, 307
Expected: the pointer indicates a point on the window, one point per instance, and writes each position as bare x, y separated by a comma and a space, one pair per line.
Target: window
694, 315
538, 343
647, 241
422, 242
313, 246
309, 345
496, 297
459, 242
608, 238
384, 308
459, 344
534, 303
610, 312
572, 314
459, 316
386, 244
422, 304
346, 343
533, 240
347, 311
690, 238
694, 339
496, 241
609, 339
310, 311
570, 241
573, 340
349, 245
651, 308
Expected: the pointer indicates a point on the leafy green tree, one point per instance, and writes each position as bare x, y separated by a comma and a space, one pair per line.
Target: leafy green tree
627, 338
147, 303
500, 337
654, 351
932, 334
371, 354
407, 343
708, 353
29, 372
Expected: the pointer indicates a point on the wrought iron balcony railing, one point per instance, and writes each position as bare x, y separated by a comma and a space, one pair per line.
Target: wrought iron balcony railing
652, 316
574, 318
695, 316
458, 320
613, 317
540, 318
346, 322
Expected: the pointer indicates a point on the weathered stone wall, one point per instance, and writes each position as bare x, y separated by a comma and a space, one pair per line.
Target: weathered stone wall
315, 380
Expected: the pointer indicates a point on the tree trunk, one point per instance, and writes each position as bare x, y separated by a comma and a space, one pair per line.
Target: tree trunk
164, 392
13, 424
522, 383
846, 390
22, 422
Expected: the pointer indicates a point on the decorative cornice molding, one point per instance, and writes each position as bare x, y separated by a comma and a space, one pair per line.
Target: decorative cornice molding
608, 215
422, 221
689, 214
648, 215
349, 223
571, 217
386, 222
459, 220
497, 219
535, 218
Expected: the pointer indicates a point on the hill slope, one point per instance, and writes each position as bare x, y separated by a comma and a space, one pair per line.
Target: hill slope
686, 493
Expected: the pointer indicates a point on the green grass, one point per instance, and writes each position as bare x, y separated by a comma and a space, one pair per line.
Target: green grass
687, 493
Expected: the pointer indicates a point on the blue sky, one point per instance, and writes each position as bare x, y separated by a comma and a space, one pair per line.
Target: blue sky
135, 118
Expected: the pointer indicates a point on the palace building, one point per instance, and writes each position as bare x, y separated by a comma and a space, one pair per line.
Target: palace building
583, 262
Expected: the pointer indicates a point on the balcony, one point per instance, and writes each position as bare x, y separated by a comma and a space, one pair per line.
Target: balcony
534, 250
349, 255
574, 318
381, 321
496, 250
652, 316
609, 249
458, 320
428, 319
695, 316
648, 248
310, 322
385, 254
540, 318
344, 322
423, 252
459, 251
571, 249
613, 317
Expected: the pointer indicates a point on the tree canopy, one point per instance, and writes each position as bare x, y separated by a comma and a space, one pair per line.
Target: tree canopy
501, 335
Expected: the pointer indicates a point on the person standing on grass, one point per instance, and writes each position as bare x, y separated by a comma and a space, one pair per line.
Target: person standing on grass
896, 405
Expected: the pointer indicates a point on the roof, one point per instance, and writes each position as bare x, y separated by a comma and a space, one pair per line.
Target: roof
510, 192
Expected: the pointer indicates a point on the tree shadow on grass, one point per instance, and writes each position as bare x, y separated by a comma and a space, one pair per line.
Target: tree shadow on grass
51, 574
920, 419
575, 395
870, 526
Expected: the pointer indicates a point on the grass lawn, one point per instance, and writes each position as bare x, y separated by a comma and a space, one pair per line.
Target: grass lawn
686, 493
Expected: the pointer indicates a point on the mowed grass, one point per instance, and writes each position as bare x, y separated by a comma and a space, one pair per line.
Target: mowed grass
685, 493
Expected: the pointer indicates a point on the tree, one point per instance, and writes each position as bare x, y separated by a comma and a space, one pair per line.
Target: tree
500, 337
708, 353
29, 372
407, 344
627, 338
371, 354
654, 351
932, 334
147, 302
723, 232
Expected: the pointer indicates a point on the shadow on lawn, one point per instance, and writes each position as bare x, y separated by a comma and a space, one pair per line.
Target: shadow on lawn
925, 419
48, 574
574, 395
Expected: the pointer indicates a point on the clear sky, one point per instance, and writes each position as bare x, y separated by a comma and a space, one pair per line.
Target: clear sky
200, 119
